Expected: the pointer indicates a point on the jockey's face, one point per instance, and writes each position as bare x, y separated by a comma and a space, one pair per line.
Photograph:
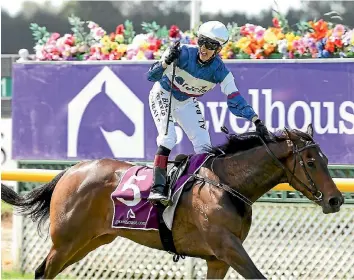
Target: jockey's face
207, 48
205, 54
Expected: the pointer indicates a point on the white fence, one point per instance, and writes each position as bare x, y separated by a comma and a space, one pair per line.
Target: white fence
287, 241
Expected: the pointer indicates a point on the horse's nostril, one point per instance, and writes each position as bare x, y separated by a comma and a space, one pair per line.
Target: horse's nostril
334, 201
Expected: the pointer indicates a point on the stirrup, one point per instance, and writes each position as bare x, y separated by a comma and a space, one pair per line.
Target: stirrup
166, 202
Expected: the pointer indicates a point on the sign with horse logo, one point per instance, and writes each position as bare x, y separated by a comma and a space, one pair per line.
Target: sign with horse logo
97, 109
91, 111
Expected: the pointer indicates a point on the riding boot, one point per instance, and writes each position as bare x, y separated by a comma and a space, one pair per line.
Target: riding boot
158, 189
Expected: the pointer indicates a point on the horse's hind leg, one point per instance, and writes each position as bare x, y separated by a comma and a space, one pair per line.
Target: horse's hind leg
58, 257
94, 244
217, 269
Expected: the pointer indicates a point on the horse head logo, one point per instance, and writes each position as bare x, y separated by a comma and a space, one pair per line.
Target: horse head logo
103, 116
130, 214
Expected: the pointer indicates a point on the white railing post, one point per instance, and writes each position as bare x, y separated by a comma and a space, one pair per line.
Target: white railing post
17, 238
195, 14
190, 268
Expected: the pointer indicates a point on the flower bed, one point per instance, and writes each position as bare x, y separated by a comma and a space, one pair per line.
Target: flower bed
89, 41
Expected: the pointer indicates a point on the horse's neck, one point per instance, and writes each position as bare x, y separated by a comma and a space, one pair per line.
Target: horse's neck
253, 172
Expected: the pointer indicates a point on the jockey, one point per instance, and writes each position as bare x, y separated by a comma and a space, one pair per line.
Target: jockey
198, 70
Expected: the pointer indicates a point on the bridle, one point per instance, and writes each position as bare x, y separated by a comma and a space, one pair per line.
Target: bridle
316, 193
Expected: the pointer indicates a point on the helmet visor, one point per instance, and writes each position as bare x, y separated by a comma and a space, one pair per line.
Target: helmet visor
208, 43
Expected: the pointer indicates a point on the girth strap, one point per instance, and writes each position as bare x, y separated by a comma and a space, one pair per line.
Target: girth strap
166, 235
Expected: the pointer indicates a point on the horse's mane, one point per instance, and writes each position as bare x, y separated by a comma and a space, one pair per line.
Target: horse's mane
242, 142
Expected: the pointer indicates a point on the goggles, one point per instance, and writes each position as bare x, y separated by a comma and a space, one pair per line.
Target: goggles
208, 43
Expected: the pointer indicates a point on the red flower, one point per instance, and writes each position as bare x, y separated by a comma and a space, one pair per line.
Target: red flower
276, 23
158, 44
174, 31
70, 40
244, 31
338, 43
120, 29
112, 36
155, 45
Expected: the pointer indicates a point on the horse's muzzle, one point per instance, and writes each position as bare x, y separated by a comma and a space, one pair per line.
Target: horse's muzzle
332, 204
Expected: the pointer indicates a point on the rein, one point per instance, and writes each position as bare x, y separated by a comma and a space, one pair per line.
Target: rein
296, 151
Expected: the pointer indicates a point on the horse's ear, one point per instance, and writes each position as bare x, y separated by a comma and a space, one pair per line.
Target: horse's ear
287, 133
291, 135
310, 130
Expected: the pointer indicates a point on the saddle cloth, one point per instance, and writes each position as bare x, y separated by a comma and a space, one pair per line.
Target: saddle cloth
132, 209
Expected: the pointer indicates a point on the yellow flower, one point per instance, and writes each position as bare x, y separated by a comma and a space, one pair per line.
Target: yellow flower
144, 46
291, 37
114, 45
119, 38
352, 40
105, 40
122, 48
280, 36
242, 43
270, 37
140, 56
105, 50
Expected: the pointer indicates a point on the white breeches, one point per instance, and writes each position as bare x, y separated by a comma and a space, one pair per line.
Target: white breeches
186, 113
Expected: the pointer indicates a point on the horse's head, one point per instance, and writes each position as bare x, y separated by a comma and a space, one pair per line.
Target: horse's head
307, 171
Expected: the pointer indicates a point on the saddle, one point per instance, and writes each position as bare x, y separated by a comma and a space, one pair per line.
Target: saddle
176, 169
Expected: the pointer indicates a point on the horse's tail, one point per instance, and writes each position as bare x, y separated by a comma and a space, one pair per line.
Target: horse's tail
34, 204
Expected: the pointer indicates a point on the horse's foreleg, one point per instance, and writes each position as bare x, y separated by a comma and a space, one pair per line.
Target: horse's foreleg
217, 269
231, 251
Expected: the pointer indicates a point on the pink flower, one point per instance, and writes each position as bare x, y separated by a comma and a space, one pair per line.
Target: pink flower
98, 33
111, 56
40, 55
48, 56
259, 32
73, 49
54, 37
92, 25
250, 27
296, 44
338, 31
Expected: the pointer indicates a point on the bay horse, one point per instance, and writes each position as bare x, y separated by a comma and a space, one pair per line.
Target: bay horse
212, 218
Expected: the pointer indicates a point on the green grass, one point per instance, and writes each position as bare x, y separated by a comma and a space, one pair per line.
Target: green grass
15, 274
5, 208
19, 275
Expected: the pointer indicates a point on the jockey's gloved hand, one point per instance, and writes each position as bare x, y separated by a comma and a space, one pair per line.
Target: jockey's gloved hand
173, 54
263, 131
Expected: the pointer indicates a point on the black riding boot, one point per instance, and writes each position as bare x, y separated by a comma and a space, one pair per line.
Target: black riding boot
157, 192
158, 189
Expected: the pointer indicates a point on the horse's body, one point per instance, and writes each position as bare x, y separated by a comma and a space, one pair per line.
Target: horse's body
209, 222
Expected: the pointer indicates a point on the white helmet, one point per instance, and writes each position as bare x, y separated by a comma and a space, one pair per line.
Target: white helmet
214, 30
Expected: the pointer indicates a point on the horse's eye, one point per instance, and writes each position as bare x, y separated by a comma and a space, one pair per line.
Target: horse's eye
311, 163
